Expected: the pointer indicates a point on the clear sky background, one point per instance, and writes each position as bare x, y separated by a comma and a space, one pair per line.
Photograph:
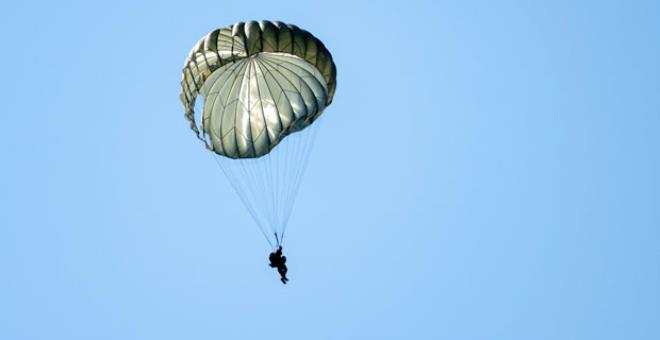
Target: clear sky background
488, 170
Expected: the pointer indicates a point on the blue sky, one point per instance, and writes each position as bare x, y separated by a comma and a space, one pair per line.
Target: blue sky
487, 170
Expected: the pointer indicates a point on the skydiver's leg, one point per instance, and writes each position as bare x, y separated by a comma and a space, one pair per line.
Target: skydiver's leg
282, 270
282, 275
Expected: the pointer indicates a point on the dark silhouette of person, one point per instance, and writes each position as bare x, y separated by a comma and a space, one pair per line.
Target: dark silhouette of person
278, 261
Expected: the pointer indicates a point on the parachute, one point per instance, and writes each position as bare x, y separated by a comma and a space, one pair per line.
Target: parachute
264, 86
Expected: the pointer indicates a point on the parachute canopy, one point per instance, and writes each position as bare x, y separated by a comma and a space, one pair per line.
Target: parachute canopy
261, 82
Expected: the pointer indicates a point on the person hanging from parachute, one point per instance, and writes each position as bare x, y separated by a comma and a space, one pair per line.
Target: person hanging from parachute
277, 260
264, 85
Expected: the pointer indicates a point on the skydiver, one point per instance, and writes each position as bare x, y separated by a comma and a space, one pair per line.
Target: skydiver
278, 261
